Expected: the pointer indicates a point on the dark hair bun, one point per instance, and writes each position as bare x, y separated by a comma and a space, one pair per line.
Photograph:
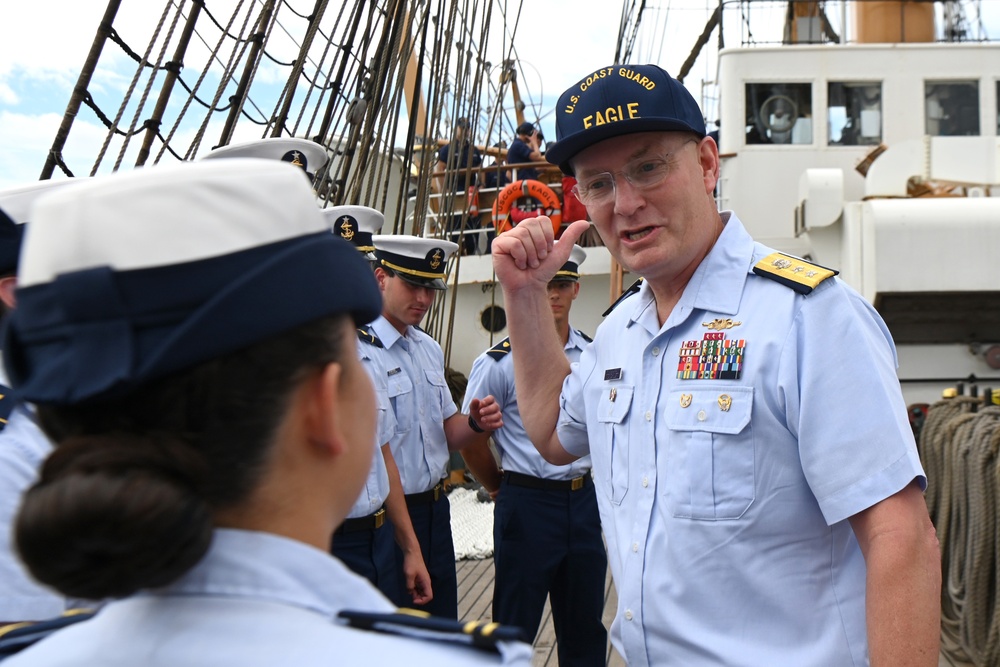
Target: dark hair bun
114, 514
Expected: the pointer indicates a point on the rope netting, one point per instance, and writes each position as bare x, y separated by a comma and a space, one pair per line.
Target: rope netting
958, 447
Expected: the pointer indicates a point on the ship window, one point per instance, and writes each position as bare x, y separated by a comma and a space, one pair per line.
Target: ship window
779, 113
854, 113
493, 319
951, 108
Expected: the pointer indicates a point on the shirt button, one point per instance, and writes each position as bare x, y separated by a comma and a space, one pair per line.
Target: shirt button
628, 614
635, 547
656, 351
645, 481
702, 416
649, 416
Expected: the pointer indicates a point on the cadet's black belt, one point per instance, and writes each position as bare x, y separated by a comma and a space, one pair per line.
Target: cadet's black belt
424, 497
575, 484
358, 524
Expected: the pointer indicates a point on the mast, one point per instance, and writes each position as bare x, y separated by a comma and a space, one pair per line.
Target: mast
173, 68
80, 91
509, 75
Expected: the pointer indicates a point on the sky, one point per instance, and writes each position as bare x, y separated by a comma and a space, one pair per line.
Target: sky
43, 45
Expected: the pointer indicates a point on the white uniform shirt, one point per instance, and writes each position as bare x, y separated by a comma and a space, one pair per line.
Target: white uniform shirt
255, 599
495, 377
23, 449
376, 488
725, 502
421, 401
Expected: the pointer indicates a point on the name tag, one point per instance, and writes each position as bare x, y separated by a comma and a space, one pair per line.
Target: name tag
612, 374
394, 371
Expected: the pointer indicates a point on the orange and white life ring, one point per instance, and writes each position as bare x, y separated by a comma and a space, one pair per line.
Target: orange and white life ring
526, 188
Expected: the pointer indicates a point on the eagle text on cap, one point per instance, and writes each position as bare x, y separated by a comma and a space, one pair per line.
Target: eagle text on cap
612, 114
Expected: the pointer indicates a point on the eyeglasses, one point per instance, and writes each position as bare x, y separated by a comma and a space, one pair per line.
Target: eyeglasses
641, 175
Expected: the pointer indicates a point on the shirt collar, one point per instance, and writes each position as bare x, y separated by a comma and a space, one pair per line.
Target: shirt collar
716, 285
575, 340
387, 333
264, 566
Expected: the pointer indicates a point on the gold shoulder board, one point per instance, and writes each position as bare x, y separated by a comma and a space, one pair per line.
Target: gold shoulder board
800, 275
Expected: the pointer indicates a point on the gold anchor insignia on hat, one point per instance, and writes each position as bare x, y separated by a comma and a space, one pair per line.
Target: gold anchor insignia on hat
295, 159
686, 400
436, 258
348, 231
721, 323
725, 402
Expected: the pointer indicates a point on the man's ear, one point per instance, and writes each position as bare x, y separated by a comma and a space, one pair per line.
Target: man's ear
321, 396
7, 287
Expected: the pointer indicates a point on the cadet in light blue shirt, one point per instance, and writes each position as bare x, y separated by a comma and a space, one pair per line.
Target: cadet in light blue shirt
411, 270
364, 541
758, 483
546, 528
203, 454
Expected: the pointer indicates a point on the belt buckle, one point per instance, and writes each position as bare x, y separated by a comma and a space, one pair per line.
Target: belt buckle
576, 483
437, 491
380, 518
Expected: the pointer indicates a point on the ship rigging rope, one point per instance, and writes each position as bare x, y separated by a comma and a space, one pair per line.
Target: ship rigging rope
131, 89
958, 449
149, 86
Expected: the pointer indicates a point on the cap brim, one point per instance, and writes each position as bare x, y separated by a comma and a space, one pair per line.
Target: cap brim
431, 283
562, 151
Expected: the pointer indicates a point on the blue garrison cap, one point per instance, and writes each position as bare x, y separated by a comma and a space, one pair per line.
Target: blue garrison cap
620, 99
15, 210
134, 276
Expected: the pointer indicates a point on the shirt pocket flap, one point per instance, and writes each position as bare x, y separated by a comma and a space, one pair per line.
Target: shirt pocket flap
398, 385
724, 410
615, 401
435, 378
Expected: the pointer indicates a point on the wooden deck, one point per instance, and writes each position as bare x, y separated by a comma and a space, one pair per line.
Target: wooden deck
475, 599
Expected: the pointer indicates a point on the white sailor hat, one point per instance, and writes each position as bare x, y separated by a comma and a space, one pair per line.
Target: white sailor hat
356, 224
570, 271
133, 276
15, 210
420, 261
303, 153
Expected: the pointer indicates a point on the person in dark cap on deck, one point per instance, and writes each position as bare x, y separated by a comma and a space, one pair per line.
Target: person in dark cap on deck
204, 454
23, 446
364, 542
526, 147
759, 486
546, 528
410, 272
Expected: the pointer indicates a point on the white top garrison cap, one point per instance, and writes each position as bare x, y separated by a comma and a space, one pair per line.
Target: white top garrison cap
15, 210
420, 261
132, 276
570, 271
356, 224
303, 153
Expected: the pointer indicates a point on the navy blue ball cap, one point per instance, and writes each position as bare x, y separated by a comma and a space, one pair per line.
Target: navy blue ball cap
134, 276
620, 99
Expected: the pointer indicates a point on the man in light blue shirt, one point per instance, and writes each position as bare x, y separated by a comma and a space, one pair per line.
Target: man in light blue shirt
411, 270
759, 487
546, 529
364, 541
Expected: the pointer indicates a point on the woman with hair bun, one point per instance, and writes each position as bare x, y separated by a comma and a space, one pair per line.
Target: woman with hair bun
206, 448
